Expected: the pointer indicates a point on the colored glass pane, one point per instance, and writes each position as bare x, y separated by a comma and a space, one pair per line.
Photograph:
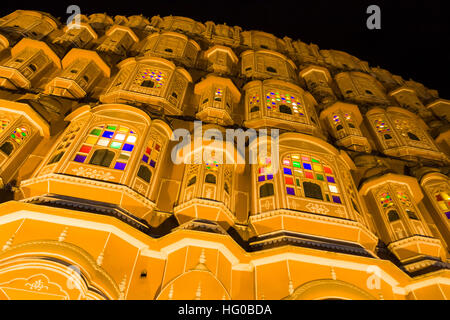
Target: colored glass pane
309, 175
290, 191
120, 136
96, 132
296, 164
261, 178
319, 177
85, 149
315, 160
269, 176
289, 180
91, 140
120, 166
307, 166
108, 134
128, 147
152, 163
79, 158
103, 142
145, 158
131, 139
287, 171
317, 167
330, 179
327, 170
333, 188
337, 199
115, 145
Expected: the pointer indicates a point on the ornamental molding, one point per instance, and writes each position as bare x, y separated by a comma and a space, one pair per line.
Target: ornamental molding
217, 205
80, 180
406, 241
93, 173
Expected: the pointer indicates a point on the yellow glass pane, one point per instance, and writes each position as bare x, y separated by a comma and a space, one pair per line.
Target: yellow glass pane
91, 140
123, 129
317, 167
442, 205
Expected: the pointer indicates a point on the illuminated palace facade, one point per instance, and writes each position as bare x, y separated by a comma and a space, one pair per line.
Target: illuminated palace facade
93, 207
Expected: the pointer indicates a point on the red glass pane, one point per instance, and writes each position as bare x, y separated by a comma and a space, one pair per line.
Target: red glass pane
289, 180
439, 197
85, 149
148, 150
309, 175
327, 170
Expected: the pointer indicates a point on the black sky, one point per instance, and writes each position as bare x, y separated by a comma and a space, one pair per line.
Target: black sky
414, 40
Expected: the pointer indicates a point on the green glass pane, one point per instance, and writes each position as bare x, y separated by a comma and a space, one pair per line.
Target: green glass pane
111, 127
319, 177
296, 164
315, 160
115, 145
13, 136
96, 132
24, 134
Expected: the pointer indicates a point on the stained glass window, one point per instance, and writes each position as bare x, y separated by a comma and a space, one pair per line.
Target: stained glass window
151, 78
300, 169
443, 201
382, 126
3, 125
386, 200
276, 99
19, 134
218, 94
117, 138
265, 169
254, 102
151, 157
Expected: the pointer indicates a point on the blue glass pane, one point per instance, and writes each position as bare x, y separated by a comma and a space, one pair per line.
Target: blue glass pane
120, 166
261, 178
128, 147
145, 158
152, 163
79, 158
287, 171
330, 179
108, 134
290, 191
307, 166
269, 176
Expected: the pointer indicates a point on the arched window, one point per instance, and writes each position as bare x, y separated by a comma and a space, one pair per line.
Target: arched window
7, 148
285, 109
393, 216
308, 176
412, 136
271, 69
144, 173
192, 181
254, 109
279, 100
102, 157
266, 190
383, 128
115, 142
56, 158
312, 190
210, 178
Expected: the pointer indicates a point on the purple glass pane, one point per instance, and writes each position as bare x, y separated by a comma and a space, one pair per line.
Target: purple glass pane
79, 158
448, 215
330, 179
287, 171
145, 158
261, 178
290, 191
336, 199
269, 176
152, 163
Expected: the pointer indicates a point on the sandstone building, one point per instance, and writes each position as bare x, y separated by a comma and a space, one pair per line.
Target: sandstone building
93, 207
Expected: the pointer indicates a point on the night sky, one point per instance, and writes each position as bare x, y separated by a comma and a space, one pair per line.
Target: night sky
414, 40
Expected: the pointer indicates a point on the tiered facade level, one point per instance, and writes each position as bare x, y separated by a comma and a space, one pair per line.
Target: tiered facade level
94, 207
